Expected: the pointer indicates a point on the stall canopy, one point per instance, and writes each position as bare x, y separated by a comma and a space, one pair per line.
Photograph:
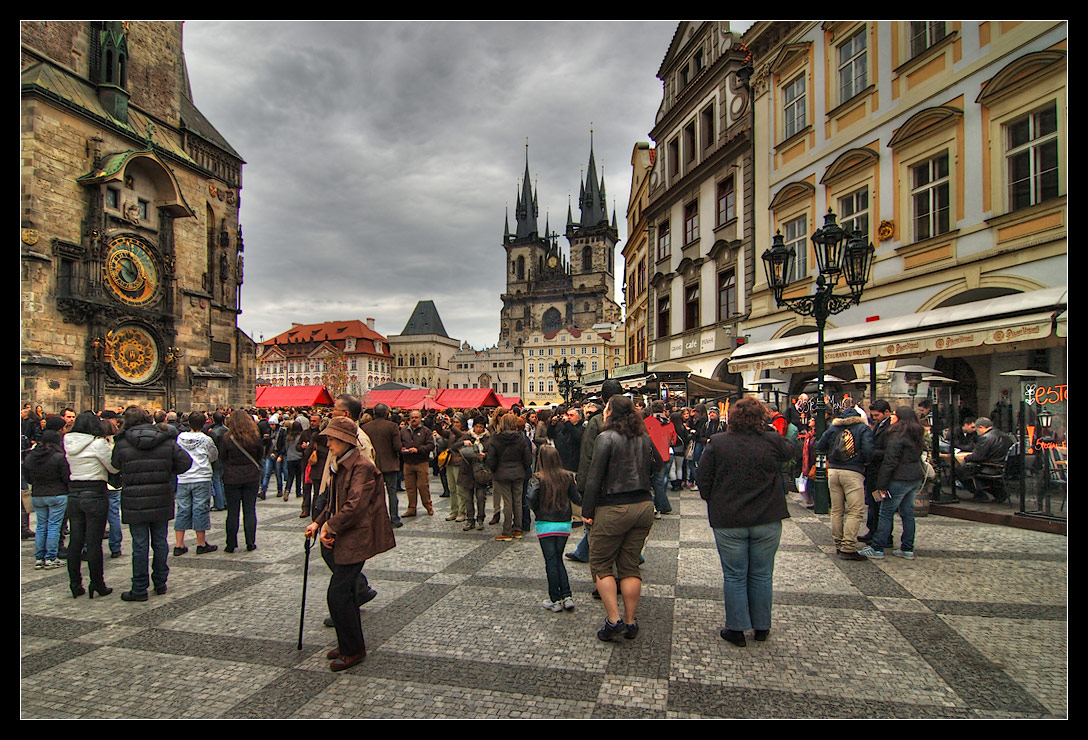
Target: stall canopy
508, 401
293, 395
994, 323
708, 387
463, 398
397, 399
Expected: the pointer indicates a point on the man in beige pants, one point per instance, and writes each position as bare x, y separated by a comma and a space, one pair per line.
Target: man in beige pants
848, 444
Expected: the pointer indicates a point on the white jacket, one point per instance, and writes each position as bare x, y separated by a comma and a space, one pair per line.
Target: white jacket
203, 451
88, 456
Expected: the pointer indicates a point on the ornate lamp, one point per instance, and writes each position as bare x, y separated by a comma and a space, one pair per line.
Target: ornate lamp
777, 261
829, 241
858, 262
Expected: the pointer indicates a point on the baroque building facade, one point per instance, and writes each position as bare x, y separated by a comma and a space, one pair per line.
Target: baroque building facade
944, 143
600, 348
498, 368
546, 289
701, 260
636, 254
306, 353
131, 259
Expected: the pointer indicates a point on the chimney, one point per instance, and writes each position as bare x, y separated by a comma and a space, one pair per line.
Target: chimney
370, 324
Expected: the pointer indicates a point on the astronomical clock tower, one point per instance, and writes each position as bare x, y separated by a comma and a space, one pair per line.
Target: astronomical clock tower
131, 247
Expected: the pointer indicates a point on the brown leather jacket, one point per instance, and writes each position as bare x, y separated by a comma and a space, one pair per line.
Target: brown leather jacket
356, 512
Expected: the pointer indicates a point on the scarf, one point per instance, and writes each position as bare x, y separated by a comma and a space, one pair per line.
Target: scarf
331, 467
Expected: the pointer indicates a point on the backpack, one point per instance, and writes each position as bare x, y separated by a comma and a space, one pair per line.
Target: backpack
844, 449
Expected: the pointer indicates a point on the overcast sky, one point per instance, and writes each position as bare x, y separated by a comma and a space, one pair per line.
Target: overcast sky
380, 157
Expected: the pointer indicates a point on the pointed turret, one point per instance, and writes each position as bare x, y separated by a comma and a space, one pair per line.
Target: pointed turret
592, 201
527, 210
506, 228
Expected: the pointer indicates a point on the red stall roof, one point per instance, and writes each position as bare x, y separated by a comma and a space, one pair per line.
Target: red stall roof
463, 398
402, 399
508, 401
293, 395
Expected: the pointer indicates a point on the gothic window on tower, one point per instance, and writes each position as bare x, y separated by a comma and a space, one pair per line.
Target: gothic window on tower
521, 268
551, 321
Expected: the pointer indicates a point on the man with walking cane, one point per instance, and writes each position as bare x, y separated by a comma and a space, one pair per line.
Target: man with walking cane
353, 527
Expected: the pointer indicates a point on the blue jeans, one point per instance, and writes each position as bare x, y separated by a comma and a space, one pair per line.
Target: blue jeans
270, 464
581, 552
113, 517
661, 486
747, 555
151, 534
49, 513
219, 499
900, 498
193, 502
558, 584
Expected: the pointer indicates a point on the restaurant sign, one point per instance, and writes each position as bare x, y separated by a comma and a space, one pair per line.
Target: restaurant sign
627, 371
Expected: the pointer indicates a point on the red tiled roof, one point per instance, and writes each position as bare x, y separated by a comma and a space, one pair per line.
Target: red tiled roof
331, 331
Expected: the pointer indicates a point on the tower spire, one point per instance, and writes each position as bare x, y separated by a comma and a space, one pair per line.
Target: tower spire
527, 209
592, 202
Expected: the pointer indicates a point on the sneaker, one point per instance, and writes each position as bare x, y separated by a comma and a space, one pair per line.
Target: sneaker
611, 630
548, 604
451, 518
906, 554
657, 514
39, 564
871, 553
469, 526
50, 564
504, 538
201, 549
460, 518
568, 603
557, 606
632, 630
517, 534
852, 555
180, 551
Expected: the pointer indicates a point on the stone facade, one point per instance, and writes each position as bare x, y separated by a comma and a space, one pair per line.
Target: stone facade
303, 354
498, 368
131, 247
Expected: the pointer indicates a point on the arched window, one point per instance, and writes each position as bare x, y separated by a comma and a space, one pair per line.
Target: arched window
423, 360
412, 361
587, 259
521, 267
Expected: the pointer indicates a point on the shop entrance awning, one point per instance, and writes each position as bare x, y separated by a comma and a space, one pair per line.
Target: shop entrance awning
994, 322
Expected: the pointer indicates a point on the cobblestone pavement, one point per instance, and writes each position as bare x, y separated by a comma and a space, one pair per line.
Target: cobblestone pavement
974, 627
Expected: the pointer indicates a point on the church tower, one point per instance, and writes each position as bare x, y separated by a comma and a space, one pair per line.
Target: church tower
592, 249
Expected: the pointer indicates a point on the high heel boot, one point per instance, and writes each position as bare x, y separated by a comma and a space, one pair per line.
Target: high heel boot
99, 588
77, 589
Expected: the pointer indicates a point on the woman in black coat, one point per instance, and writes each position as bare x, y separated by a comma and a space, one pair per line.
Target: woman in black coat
901, 477
509, 459
46, 470
239, 450
739, 477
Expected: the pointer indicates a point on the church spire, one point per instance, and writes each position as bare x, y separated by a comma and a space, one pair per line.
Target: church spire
527, 209
592, 202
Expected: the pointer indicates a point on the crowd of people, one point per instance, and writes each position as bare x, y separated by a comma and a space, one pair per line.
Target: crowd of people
604, 464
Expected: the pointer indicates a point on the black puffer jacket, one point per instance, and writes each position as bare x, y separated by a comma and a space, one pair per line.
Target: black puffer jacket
902, 461
46, 470
621, 472
148, 459
508, 456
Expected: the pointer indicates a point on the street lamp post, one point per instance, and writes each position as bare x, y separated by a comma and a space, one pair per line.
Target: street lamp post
561, 371
838, 254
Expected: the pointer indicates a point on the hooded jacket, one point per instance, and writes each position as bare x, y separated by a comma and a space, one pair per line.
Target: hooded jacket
508, 456
88, 460
203, 452
863, 441
148, 459
46, 470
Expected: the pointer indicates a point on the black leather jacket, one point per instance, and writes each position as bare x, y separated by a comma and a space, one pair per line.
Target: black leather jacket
991, 448
621, 471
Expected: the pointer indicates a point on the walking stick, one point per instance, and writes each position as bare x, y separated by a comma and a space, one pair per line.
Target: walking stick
305, 578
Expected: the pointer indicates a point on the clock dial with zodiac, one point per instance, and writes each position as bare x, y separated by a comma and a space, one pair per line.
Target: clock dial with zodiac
134, 354
132, 272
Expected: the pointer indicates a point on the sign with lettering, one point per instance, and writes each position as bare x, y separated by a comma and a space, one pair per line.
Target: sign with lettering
708, 341
627, 371
676, 348
598, 377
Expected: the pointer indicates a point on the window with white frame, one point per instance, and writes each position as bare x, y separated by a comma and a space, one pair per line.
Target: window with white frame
727, 294
924, 34
852, 66
664, 243
1031, 157
794, 106
854, 212
930, 197
795, 233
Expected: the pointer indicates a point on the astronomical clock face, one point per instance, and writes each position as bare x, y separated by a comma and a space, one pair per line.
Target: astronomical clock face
132, 272
135, 356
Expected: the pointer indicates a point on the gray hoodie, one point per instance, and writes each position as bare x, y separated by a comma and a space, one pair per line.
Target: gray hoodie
203, 451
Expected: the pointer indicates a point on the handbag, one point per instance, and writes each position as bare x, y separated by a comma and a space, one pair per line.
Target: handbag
802, 484
482, 475
312, 459
443, 458
689, 454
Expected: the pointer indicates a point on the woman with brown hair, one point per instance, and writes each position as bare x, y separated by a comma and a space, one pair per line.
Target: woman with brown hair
739, 477
509, 459
239, 450
618, 505
551, 492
